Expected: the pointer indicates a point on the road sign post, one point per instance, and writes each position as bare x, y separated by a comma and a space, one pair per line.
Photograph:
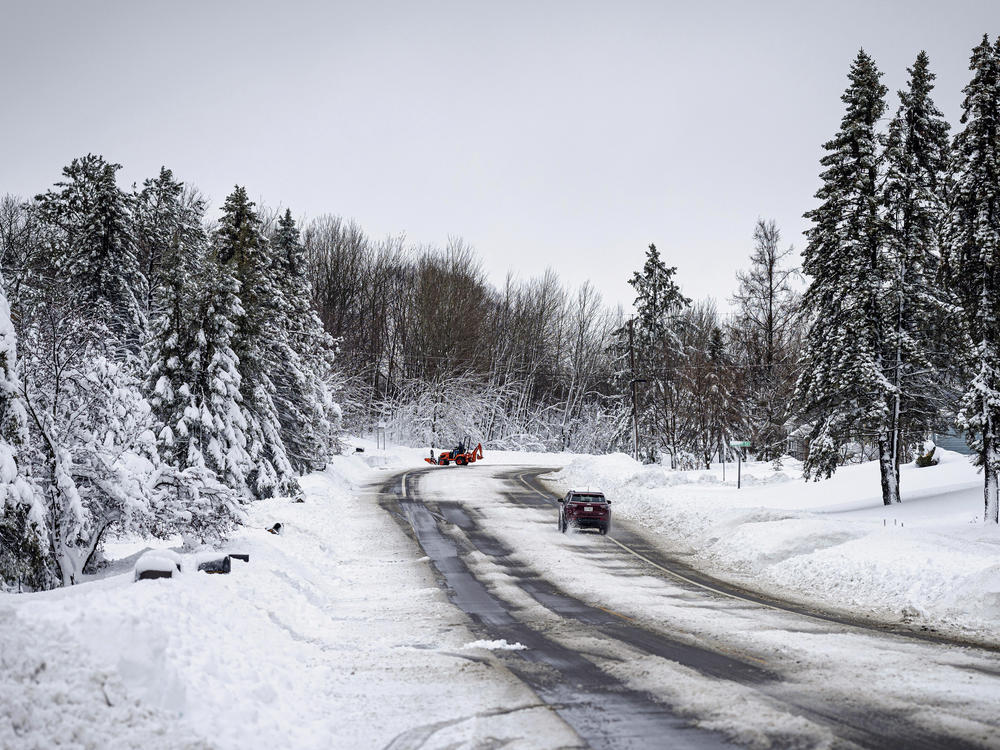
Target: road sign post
741, 444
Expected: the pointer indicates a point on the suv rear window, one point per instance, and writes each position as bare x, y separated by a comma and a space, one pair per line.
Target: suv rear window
581, 498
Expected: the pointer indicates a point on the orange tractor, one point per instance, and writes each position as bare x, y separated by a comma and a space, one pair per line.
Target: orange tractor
459, 455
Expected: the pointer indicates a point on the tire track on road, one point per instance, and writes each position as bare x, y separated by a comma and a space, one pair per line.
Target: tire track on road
678, 570
603, 711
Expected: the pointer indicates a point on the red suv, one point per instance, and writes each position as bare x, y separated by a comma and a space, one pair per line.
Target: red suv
585, 510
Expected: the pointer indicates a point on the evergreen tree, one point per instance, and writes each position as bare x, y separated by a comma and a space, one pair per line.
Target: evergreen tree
843, 390
175, 238
918, 341
215, 424
709, 417
165, 219
658, 348
974, 239
301, 355
188, 495
94, 252
241, 247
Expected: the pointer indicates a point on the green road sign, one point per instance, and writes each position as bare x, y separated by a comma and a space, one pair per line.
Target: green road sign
739, 443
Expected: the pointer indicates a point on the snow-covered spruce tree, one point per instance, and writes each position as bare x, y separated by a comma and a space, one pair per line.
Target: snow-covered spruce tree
710, 418
917, 308
301, 356
187, 495
177, 241
842, 390
658, 349
765, 331
241, 248
215, 422
93, 250
974, 258
165, 216
23, 541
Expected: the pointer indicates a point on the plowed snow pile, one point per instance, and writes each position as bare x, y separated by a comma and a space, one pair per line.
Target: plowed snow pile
334, 635
929, 559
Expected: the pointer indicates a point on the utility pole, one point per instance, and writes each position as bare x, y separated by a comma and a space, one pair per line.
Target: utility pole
635, 409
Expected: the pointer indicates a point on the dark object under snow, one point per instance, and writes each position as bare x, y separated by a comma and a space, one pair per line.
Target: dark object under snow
148, 575
157, 564
276, 529
927, 459
242, 556
220, 565
359, 450
460, 456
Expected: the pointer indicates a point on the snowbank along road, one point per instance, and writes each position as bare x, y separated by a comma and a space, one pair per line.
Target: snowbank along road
631, 648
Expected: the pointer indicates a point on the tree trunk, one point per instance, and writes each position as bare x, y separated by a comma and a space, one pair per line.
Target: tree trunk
887, 470
990, 471
896, 424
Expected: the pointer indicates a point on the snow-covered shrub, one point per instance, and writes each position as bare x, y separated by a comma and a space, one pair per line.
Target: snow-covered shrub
92, 450
192, 502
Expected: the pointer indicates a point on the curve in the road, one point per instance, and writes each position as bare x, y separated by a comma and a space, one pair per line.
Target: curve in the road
603, 711
684, 573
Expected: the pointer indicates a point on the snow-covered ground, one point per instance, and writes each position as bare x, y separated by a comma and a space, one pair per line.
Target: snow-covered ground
333, 635
930, 559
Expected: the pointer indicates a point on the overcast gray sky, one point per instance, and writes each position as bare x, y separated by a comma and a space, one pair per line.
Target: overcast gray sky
569, 134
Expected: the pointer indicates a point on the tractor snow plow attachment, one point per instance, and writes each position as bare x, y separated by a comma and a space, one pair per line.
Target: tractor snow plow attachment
459, 457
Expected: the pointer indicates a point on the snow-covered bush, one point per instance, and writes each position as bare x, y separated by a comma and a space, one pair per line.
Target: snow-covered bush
91, 441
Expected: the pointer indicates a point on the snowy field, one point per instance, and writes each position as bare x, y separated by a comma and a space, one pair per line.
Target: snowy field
333, 636
929, 560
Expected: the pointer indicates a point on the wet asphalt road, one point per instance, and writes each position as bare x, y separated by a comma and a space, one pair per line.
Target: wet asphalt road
603, 711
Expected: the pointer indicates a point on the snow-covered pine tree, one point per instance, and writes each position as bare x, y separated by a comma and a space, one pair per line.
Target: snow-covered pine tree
215, 420
187, 495
918, 361
23, 541
709, 417
658, 349
94, 248
240, 245
843, 391
302, 356
974, 250
164, 217
174, 244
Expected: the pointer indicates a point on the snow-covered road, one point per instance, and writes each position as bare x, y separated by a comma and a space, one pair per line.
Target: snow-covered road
756, 675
